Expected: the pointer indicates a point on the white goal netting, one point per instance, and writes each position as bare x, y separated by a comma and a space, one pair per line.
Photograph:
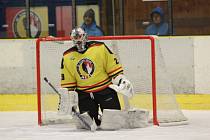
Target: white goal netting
143, 66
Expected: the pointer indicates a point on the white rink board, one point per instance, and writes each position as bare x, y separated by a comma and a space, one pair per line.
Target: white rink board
202, 64
17, 68
186, 58
178, 54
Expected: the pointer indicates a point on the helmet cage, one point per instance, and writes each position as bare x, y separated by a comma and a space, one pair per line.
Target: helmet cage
79, 38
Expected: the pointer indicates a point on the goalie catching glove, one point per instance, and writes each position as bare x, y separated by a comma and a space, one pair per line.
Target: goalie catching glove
67, 101
122, 85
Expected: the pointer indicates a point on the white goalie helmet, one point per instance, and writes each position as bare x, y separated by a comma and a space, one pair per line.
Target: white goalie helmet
79, 38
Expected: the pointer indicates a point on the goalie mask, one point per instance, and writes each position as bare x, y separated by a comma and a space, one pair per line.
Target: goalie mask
79, 38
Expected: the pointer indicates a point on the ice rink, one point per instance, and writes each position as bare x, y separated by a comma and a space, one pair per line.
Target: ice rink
23, 126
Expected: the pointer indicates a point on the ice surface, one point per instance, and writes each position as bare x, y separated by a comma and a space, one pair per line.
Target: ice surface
23, 126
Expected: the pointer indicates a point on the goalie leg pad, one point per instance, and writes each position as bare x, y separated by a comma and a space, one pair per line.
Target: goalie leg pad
86, 118
137, 118
112, 119
117, 119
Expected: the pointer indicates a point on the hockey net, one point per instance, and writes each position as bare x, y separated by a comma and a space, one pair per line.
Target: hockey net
143, 65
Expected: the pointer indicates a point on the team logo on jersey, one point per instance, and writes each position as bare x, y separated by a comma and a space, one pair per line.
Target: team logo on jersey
85, 68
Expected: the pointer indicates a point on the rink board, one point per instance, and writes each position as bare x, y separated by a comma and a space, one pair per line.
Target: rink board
28, 102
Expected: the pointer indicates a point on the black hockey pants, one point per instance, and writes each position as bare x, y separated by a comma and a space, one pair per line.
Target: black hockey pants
91, 102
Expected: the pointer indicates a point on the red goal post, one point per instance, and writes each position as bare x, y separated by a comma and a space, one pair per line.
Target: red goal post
58, 40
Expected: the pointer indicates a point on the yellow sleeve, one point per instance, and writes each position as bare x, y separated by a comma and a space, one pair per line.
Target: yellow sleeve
67, 79
113, 66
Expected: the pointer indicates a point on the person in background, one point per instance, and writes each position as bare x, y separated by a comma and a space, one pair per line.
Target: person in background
158, 25
89, 25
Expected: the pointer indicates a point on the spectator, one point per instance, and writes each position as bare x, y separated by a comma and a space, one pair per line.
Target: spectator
89, 24
158, 25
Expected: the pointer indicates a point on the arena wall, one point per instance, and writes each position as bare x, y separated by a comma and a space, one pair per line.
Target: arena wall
186, 58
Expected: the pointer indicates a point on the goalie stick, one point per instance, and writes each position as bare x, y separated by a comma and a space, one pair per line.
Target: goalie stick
77, 114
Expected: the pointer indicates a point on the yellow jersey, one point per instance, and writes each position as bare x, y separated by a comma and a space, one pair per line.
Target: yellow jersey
90, 71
